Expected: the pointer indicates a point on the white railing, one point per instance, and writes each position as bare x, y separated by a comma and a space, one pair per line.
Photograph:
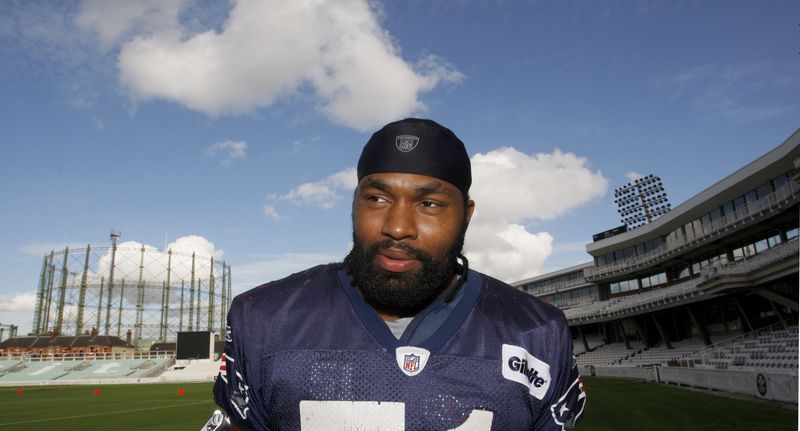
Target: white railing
28, 357
554, 287
768, 257
752, 211
635, 304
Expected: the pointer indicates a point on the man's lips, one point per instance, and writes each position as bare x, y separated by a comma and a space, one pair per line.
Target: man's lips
395, 260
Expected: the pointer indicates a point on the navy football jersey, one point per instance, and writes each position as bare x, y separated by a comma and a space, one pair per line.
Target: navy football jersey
308, 353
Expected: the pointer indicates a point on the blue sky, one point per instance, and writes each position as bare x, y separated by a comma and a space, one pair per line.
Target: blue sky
241, 122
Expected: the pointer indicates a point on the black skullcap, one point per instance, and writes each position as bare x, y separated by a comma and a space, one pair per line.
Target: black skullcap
417, 146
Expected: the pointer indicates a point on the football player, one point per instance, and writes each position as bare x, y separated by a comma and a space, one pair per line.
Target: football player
402, 335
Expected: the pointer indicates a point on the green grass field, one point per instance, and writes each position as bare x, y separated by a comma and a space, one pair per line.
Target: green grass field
614, 404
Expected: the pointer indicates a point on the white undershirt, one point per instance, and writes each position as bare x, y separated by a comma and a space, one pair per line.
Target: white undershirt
398, 326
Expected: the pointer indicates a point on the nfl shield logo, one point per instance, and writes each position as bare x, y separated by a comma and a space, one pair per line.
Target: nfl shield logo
411, 363
406, 143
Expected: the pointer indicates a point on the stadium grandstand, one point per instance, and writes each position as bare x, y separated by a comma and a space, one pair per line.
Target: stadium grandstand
98, 359
705, 295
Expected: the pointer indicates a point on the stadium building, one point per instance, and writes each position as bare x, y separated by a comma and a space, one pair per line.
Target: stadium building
704, 295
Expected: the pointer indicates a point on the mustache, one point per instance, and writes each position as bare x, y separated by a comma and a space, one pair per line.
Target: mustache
390, 243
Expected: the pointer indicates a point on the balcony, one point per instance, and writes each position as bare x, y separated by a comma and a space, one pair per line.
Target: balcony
554, 287
712, 275
751, 213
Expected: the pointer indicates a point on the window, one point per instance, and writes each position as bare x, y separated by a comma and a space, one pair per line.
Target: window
672, 238
779, 182
687, 228
651, 245
705, 220
698, 227
791, 233
761, 246
727, 212
718, 260
762, 190
614, 288
684, 272
739, 202
751, 196
715, 215
774, 240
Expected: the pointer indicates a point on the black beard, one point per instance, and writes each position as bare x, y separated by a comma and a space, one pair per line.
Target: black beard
399, 293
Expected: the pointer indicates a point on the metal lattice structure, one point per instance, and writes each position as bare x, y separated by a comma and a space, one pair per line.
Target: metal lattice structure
153, 293
641, 201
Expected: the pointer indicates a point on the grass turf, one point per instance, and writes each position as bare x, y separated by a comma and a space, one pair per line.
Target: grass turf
116, 407
613, 404
620, 404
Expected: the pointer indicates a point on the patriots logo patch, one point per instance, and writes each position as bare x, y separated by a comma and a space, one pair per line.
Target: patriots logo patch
406, 143
569, 408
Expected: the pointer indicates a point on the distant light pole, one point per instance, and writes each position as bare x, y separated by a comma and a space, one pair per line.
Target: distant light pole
641, 201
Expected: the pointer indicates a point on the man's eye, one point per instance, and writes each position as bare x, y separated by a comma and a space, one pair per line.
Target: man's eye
430, 204
377, 199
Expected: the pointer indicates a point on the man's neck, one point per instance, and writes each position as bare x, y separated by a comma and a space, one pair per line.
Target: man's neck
391, 316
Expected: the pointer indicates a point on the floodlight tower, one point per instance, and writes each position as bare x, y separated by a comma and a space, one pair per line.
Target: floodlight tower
641, 201
114, 236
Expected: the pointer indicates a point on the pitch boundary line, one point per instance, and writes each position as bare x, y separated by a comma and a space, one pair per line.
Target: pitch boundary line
101, 414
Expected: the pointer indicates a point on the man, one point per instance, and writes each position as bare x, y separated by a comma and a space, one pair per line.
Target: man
402, 335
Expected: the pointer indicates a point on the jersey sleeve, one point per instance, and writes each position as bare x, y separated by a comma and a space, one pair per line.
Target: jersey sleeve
567, 398
237, 388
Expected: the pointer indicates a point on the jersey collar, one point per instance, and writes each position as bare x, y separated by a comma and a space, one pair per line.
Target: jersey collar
441, 319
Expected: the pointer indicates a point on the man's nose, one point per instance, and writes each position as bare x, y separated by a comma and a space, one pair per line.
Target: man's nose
400, 222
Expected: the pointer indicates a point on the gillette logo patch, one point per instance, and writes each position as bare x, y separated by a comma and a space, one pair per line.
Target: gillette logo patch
524, 368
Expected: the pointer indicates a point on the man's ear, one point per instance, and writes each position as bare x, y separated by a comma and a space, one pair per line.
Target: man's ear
470, 209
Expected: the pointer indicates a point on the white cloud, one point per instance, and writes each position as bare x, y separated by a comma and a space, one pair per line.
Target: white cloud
506, 250
229, 150
325, 193
270, 212
511, 187
22, 318
129, 256
264, 51
17, 309
113, 20
633, 176
17, 302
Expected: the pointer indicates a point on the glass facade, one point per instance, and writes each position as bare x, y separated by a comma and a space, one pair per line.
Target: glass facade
699, 227
740, 250
553, 284
585, 295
